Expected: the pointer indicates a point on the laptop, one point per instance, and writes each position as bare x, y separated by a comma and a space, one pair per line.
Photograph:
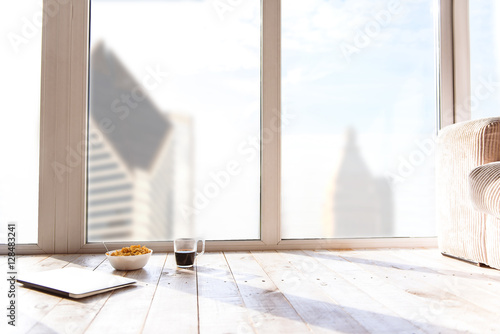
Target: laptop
73, 282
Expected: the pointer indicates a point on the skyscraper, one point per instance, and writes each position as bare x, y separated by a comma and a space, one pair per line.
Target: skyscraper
140, 159
358, 204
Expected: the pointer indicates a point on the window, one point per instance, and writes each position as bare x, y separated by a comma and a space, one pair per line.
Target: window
19, 126
358, 94
484, 98
288, 77
174, 121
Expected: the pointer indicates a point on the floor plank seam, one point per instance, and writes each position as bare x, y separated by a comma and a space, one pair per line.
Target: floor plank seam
55, 305
103, 304
238, 288
197, 295
284, 296
35, 324
335, 302
97, 313
154, 293
369, 262
99, 264
380, 301
462, 299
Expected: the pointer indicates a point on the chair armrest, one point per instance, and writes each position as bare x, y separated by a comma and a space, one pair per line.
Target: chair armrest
484, 188
460, 148
474, 142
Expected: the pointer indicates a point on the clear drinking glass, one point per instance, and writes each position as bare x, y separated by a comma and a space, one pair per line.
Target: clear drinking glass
186, 250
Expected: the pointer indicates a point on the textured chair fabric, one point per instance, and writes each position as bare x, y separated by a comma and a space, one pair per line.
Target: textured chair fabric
484, 183
461, 147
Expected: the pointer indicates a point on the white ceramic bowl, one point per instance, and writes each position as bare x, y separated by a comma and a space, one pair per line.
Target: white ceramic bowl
132, 262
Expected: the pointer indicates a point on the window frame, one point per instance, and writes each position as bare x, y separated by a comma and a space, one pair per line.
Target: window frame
453, 61
63, 127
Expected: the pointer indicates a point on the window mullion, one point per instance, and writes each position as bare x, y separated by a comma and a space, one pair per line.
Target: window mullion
271, 122
444, 25
461, 60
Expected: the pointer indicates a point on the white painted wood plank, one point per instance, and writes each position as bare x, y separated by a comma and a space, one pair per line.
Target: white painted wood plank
35, 305
221, 307
129, 307
87, 261
26, 262
270, 311
41, 263
321, 312
486, 273
271, 292
29, 308
481, 276
450, 290
174, 307
441, 309
380, 289
477, 288
55, 261
75, 315
370, 313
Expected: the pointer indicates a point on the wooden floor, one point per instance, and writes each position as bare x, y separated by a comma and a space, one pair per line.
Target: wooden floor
356, 291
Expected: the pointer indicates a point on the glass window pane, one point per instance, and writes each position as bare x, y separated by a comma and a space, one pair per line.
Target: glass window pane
174, 120
358, 96
484, 20
21, 30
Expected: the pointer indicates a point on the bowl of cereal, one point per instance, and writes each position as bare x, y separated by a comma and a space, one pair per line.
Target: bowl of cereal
129, 258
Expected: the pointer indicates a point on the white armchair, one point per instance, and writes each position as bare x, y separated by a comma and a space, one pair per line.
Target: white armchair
484, 183
464, 232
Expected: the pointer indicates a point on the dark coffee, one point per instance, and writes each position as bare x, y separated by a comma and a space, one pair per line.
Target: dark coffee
185, 257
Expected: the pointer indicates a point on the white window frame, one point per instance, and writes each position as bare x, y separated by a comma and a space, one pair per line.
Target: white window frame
454, 62
63, 126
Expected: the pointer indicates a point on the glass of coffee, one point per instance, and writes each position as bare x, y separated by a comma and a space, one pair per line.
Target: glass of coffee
186, 249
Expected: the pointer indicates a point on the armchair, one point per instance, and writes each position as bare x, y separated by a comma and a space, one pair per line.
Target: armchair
484, 183
463, 149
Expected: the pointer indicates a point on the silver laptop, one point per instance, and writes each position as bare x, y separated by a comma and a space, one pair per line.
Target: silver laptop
73, 282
